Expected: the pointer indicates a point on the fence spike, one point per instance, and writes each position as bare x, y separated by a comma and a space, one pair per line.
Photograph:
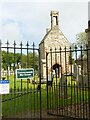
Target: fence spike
21, 44
27, 44
7, 43
14, 43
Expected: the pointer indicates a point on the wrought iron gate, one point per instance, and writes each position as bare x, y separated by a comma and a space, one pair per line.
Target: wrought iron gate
24, 98
68, 82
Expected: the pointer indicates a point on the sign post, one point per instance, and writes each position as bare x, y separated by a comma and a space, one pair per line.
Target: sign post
4, 86
25, 73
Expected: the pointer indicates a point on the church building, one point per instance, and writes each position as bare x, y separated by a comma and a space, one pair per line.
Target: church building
54, 39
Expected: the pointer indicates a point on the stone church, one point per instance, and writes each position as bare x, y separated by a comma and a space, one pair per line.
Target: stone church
54, 38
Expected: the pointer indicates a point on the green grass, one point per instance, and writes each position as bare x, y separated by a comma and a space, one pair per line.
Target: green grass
17, 82
31, 101
27, 102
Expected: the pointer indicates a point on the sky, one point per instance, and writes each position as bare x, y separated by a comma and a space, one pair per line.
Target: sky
27, 21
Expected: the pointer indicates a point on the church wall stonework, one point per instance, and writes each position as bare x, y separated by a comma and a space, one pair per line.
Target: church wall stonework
54, 39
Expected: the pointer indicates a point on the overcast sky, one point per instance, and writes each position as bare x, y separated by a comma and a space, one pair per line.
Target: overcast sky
27, 21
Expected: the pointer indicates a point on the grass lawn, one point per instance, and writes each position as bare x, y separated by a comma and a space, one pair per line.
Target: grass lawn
21, 82
30, 99
24, 103
25, 99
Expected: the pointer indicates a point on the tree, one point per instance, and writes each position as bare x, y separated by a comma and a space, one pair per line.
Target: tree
7, 59
71, 59
25, 60
81, 39
4, 65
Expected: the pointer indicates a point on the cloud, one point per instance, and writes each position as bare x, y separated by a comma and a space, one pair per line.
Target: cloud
11, 32
27, 21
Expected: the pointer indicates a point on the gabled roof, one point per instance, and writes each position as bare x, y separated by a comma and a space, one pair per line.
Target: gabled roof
45, 36
51, 31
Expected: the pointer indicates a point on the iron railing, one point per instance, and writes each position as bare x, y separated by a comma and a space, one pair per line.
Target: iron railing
24, 99
68, 95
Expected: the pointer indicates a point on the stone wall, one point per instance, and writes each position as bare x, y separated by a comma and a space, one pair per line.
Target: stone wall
54, 39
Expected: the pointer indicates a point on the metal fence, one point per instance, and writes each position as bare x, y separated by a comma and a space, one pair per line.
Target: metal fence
24, 98
68, 91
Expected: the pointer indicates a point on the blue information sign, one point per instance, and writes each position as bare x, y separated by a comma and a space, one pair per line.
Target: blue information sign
4, 86
4, 81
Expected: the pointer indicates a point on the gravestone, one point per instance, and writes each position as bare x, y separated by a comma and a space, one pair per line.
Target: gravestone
63, 86
75, 74
63, 80
83, 80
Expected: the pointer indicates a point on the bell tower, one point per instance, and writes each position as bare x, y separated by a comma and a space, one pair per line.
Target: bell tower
54, 19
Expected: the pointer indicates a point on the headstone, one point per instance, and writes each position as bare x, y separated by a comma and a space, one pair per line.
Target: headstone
50, 79
63, 80
79, 69
75, 74
83, 80
63, 86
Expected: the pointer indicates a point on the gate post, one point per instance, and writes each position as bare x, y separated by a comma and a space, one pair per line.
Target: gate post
0, 79
40, 84
88, 64
47, 79
0, 60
